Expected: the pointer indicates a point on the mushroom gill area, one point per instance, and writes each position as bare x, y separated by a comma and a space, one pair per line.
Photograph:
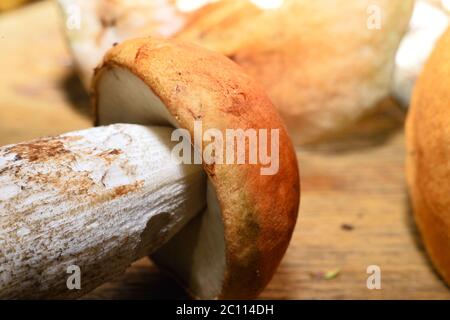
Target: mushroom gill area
196, 254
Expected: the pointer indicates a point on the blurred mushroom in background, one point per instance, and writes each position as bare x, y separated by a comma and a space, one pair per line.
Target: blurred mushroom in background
325, 63
429, 21
94, 26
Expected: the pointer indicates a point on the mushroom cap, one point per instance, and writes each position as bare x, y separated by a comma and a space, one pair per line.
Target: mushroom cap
323, 63
257, 212
428, 156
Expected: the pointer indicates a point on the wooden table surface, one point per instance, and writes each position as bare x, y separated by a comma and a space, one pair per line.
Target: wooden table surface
354, 207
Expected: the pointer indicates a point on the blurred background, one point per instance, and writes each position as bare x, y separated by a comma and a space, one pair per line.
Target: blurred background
355, 211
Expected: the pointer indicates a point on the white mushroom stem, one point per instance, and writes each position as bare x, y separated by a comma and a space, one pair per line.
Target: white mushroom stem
96, 199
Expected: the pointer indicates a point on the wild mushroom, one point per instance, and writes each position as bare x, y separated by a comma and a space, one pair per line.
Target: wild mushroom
428, 23
230, 250
93, 26
97, 199
325, 64
428, 156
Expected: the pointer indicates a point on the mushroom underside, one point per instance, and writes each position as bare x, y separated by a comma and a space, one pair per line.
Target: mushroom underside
196, 256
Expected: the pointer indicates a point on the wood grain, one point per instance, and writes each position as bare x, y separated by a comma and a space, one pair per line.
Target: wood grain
354, 207
39, 92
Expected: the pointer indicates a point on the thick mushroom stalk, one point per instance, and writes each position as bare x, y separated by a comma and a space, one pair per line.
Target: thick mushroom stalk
428, 156
96, 199
320, 86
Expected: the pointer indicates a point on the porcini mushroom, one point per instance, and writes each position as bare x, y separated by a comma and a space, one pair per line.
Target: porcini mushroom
325, 64
230, 250
93, 26
428, 156
97, 199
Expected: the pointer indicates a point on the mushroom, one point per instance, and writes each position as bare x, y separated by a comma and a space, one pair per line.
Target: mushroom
229, 250
97, 199
325, 64
428, 155
428, 23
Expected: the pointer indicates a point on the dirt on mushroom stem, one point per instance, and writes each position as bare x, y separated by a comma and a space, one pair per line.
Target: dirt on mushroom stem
97, 199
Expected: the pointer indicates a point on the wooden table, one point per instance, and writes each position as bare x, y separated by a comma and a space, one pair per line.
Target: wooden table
354, 207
